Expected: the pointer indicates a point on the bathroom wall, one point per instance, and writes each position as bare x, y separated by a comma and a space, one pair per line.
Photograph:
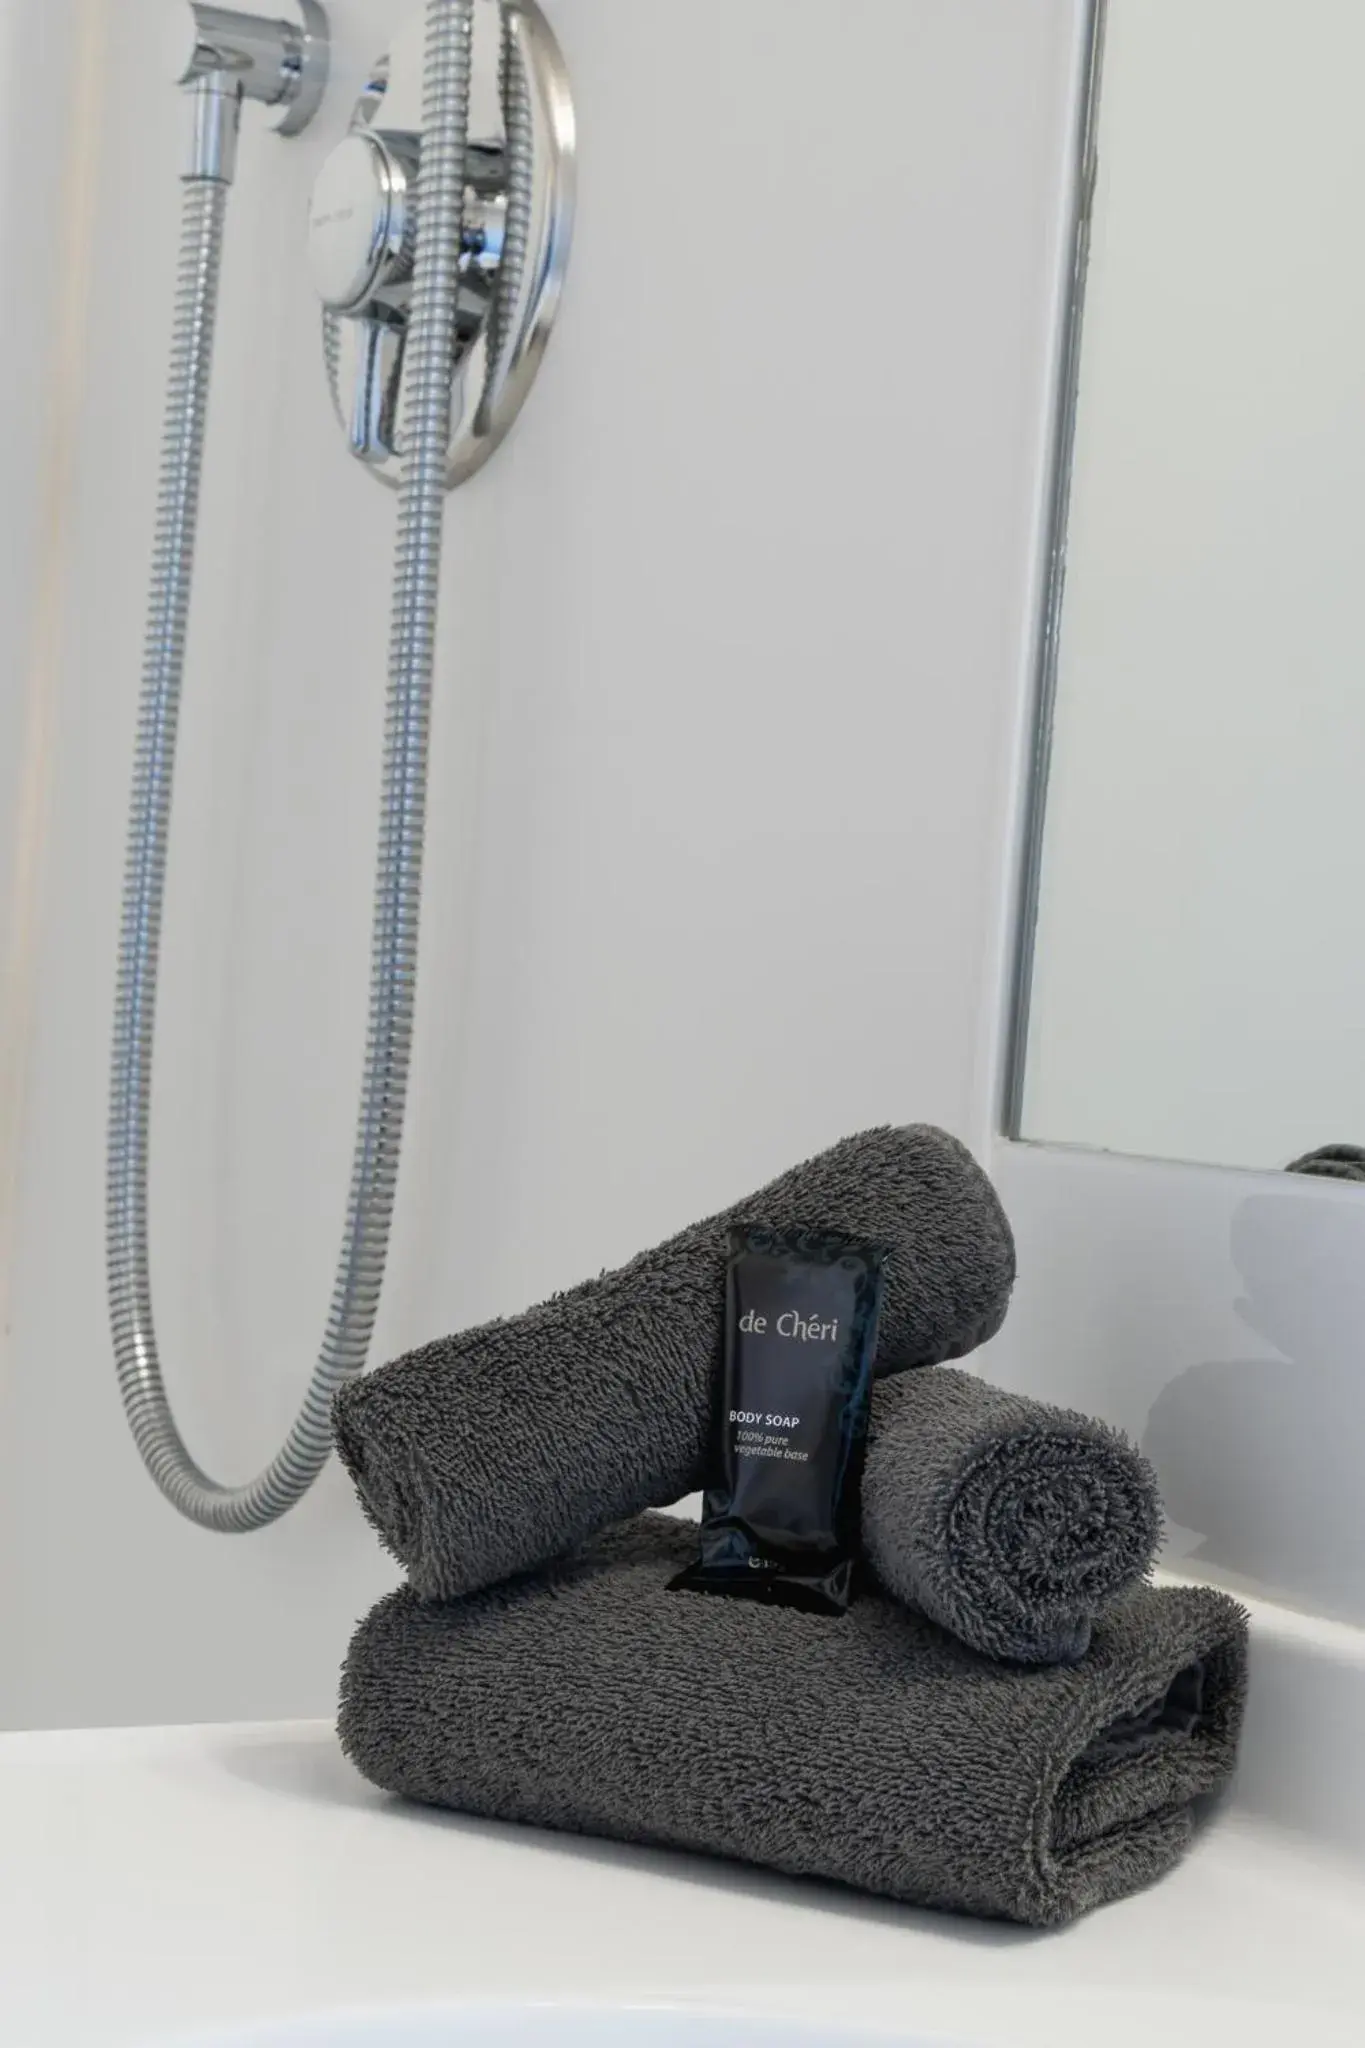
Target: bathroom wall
52, 58
736, 640
1216, 1317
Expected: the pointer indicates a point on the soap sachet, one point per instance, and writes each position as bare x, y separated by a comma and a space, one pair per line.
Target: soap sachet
781, 1508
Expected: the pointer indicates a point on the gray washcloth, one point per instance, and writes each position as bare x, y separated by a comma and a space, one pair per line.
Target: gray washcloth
485, 1454
872, 1749
1007, 1521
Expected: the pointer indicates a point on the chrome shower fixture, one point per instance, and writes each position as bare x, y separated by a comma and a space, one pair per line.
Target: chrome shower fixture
282, 63
438, 237
224, 57
518, 220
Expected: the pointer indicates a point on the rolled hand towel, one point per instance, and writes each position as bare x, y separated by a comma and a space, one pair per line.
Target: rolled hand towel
1009, 1522
873, 1749
485, 1454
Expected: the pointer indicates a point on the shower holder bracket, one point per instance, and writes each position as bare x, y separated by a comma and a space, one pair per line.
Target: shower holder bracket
361, 239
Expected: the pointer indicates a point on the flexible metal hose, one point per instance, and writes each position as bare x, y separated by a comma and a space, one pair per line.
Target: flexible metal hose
430, 353
520, 172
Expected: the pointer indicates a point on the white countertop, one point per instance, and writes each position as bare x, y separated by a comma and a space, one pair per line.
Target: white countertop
155, 1882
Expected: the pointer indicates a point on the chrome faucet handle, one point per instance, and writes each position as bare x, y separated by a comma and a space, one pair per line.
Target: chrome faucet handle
362, 219
283, 64
372, 426
362, 224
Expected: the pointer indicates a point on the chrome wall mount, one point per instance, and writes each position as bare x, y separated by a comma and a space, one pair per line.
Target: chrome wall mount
518, 221
282, 63
222, 57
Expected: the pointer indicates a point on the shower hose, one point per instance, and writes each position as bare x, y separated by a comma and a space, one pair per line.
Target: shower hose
429, 356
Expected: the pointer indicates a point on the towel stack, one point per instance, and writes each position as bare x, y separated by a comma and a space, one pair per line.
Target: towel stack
1010, 1722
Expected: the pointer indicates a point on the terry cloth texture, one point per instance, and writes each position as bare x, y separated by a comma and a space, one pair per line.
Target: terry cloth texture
1332, 1162
1009, 1522
872, 1749
486, 1454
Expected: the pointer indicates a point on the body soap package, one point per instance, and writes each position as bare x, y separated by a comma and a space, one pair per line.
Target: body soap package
781, 1511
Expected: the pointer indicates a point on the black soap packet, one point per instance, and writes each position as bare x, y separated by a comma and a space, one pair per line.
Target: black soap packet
780, 1517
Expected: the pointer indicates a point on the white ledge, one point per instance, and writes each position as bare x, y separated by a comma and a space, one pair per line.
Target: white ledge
156, 1882
1302, 1763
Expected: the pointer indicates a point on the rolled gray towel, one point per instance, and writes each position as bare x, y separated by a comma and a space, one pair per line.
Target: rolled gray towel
873, 1749
485, 1454
1009, 1522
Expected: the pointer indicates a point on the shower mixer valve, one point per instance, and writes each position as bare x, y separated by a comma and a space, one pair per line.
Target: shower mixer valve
362, 227
518, 207
362, 222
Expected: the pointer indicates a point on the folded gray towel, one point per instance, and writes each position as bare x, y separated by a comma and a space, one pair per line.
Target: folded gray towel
873, 1748
485, 1454
1009, 1522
